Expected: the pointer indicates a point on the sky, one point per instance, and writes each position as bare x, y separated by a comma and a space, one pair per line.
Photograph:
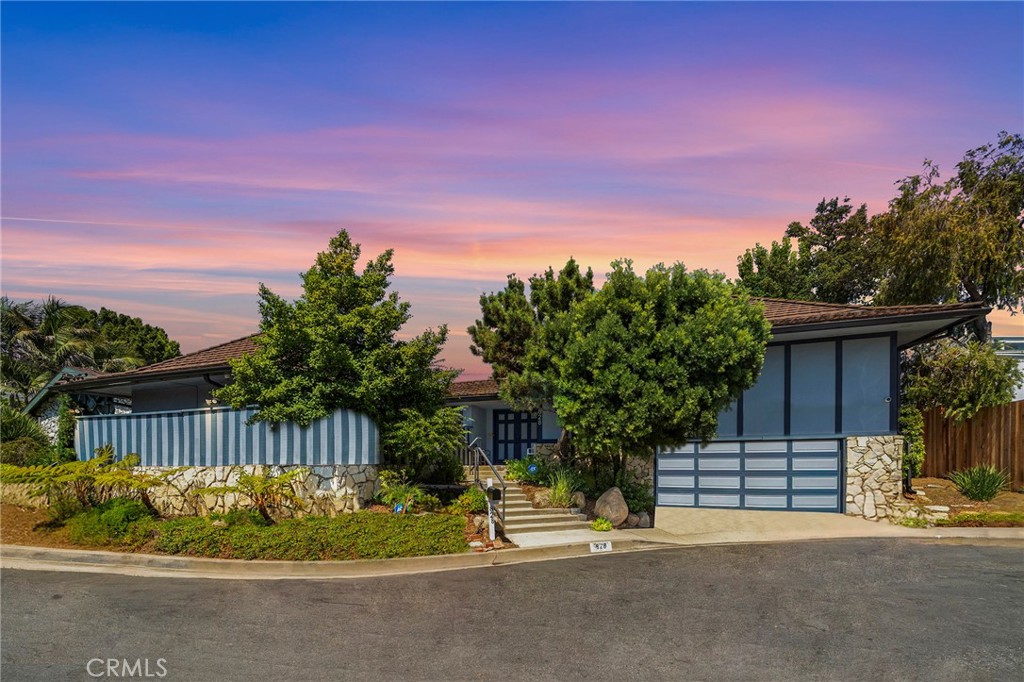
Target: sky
162, 159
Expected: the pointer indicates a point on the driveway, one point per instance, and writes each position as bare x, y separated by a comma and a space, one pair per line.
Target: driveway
836, 610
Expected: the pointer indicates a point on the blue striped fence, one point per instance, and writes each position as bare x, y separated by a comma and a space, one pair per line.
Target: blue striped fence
220, 437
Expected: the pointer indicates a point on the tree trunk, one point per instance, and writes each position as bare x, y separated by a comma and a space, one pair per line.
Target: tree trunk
980, 325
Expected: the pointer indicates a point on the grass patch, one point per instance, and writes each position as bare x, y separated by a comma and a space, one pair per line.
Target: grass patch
989, 519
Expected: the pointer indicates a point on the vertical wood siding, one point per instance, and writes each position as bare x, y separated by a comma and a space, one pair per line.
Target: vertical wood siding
220, 437
993, 436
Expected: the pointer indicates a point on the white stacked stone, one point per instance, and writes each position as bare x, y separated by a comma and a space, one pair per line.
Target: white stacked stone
874, 475
330, 490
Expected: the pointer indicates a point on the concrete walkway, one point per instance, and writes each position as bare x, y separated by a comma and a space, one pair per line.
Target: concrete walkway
677, 526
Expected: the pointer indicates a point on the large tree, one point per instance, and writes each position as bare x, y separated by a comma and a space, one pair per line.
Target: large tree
650, 360
39, 339
337, 346
832, 261
145, 342
958, 240
779, 271
518, 335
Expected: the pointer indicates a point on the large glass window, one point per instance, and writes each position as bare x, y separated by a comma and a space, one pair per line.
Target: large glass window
866, 385
727, 422
764, 404
812, 388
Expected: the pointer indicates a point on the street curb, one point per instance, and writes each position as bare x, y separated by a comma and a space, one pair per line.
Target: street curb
23, 557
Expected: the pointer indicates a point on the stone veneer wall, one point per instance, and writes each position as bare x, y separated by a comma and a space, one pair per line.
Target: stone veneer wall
328, 489
874, 476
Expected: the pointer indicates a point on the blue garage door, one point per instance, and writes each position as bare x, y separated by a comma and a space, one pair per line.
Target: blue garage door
800, 475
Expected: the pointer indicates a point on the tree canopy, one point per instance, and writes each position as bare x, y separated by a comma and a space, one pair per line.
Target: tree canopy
961, 239
336, 346
519, 336
39, 339
650, 360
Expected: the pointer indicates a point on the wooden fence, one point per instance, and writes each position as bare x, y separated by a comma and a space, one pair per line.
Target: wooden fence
993, 436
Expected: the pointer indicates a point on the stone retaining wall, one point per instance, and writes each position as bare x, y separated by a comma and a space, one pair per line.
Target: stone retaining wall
330, 490
874, 476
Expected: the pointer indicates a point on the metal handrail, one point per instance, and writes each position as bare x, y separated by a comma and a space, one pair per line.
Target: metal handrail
478, 454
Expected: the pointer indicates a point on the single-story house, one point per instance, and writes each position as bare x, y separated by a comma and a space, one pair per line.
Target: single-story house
818, 432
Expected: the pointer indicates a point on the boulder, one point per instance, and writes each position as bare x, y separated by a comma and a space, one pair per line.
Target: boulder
632, 520
579, 500
645, 520
612, 506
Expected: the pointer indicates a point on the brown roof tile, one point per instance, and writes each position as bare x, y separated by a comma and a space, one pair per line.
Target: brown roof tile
483, 388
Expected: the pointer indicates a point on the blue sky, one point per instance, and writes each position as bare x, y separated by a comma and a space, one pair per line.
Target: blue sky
187, 151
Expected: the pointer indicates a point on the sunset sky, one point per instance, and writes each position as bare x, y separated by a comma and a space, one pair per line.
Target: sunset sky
162, 159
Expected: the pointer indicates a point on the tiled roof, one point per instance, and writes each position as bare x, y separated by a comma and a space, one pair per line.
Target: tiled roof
213, 357
784, 313
484, 388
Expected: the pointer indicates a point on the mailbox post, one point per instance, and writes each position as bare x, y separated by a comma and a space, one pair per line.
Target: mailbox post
493, 497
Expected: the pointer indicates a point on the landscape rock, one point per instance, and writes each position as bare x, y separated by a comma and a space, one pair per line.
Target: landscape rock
644, 520
632, 520
579, 500
612, 506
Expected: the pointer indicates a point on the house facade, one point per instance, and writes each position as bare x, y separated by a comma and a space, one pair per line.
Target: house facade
817, 432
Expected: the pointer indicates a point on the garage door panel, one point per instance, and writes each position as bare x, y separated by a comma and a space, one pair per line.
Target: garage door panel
718, 463
766, 501
676, 481
767, 482
781, 475
671, 464
715, 500
767, 464
731, 482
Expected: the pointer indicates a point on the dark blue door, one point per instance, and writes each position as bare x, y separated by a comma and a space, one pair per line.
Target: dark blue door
514, 434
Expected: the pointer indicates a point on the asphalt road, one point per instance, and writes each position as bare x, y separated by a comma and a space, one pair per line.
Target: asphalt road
837, 610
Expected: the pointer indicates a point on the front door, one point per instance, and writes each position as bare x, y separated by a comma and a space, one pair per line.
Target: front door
514, 433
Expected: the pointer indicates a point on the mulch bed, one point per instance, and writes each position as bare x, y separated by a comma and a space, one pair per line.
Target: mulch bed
939, 491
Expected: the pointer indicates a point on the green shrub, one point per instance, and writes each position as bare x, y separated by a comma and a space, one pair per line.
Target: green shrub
602, 524
519, 470
15, 425
472, 501
426, 446
107, 523
980, 483
65, 424
912, 428
362, 535
24, 452
638, 496
241, 517
395, 490
564, 482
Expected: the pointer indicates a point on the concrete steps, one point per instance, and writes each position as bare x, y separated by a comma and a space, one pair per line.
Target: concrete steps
522, 517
